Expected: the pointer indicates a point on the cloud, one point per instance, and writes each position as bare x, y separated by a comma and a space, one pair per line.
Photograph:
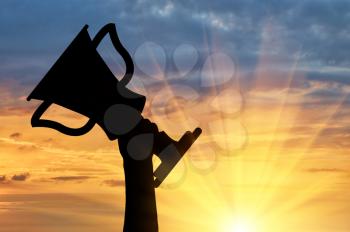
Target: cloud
49, 140
318, 170
21, 145
249, 31
341, 77
20, 177
15, 135
336, 131
12, 100
325, 92
71, 178
334, 137
46, 212
3, 178
241, 25
76, 169
114, 183
81, 171
326, 96
30, 146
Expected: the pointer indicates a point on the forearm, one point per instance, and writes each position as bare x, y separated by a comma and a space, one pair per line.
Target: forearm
140, 210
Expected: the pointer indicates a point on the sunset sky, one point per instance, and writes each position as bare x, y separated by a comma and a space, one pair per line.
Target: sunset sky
267, 81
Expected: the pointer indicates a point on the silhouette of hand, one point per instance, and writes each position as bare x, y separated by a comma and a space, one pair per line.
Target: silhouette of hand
138, 144
136, 147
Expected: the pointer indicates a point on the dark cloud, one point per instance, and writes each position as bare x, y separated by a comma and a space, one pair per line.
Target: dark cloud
331, 94
71, 178
20, 177
326, 93
114, 183
34, 33
330, 77
3, 178
15, 135
254, 33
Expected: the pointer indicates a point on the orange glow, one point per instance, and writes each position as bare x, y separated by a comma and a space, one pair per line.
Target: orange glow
265, 167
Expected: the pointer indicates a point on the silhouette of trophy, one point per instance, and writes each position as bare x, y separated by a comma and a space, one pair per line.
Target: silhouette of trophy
81, 81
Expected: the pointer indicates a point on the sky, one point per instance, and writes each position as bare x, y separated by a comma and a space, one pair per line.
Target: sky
267, 81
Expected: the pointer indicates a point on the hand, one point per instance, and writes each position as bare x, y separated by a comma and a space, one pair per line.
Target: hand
139, 143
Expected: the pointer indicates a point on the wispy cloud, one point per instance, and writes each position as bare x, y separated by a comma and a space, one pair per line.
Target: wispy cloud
23, 144
114, 183
329, 170
15, 135
72, 178
46, 212
20, 177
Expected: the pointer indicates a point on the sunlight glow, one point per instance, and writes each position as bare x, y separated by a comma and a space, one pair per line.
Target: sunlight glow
271, 156
239, 224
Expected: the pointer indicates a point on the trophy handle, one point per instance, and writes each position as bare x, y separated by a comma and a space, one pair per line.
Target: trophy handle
38, 122
111, 30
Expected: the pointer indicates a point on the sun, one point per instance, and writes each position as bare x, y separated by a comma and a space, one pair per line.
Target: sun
239, 224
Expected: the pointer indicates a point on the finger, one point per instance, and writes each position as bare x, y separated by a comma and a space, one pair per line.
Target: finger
148, 126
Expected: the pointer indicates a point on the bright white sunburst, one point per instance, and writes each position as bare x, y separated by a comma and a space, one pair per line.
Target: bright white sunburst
239, 224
